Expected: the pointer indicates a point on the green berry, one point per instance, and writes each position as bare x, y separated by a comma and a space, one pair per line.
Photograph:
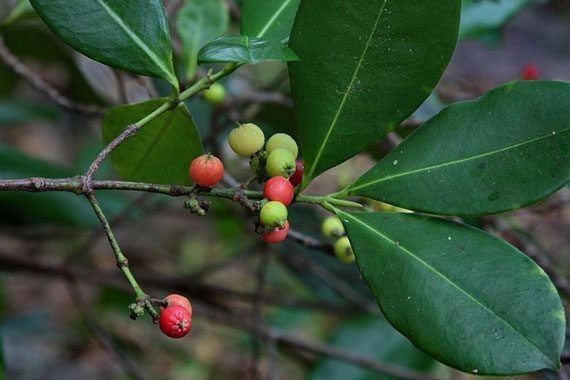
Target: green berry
247, 139
332, 227
215, 94
282, 141
280, 162
343, 250
273, 214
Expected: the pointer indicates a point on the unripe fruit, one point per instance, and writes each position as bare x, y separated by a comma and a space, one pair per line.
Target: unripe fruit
247, 139
175, 321
282, 141
177, 299
279, 189
277, 235
332, 227
343, 250
215, 94
206, 170
273, 214
280, 162
297, 178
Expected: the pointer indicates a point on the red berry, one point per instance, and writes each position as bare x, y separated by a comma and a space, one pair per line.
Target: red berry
279, 189
206, 170
530, 72
177, 299
277, 235
175, 321
297, 178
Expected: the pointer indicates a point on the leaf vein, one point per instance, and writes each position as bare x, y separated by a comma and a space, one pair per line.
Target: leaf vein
459, 161
348, 91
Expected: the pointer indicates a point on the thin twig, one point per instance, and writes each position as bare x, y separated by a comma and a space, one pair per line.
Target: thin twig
122, 261
40, 84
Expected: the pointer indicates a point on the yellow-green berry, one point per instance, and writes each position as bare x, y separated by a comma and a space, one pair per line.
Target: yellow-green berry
343, 250
246, 139
215, 94
332, 227
273, 214
280, 162
282, 141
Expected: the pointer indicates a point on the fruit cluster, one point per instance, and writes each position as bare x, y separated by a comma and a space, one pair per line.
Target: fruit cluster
332, 228
273, 162
176, 317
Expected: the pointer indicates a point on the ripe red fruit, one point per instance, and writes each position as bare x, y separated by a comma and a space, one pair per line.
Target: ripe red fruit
175, 321
206, 170
297, 178
279, 189
530, 72
177, 299
277, 235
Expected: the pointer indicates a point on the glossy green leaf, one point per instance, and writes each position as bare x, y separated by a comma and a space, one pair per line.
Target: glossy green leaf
17, 112
504, 151
161, 151
198, 22
375, 339
130, 35
365, 67
467, 298
480, 17
245, 49
271, 19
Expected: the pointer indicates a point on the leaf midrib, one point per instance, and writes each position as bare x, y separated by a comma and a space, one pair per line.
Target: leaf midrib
459, 161
348, 91
453, 284
273, 18
132, 35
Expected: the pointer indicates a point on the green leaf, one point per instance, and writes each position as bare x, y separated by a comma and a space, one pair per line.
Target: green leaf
271, 19
198, 22
504, 151
161, 151
17, 112
375, 339
481, 17
245, 49
467, 298
129, 35
364, 67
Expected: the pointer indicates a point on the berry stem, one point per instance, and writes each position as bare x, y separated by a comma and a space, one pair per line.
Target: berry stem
122, 261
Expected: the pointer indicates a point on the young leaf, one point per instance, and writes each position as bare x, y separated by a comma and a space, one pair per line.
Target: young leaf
161, 151
129, 35
198, 22
467, 298
245, 49
504, 151
364, 67
271, 19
